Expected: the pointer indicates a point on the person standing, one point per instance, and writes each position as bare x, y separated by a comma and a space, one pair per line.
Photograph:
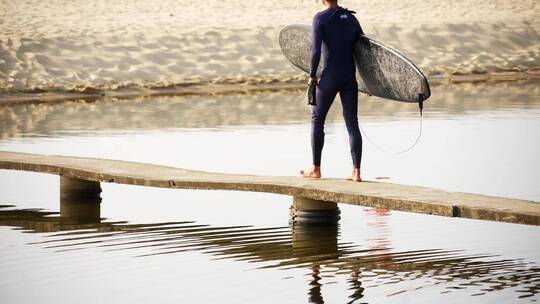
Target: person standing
335, 32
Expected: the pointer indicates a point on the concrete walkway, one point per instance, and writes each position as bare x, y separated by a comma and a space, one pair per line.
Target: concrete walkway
373, 194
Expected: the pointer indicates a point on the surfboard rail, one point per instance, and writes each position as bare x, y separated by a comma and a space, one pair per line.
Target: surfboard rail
399, 54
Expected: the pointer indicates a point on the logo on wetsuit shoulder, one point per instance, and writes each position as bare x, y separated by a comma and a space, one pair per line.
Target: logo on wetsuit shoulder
343, 17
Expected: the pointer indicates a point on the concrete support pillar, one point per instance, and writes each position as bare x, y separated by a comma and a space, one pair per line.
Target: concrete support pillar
80, 200
309, 211
78, 188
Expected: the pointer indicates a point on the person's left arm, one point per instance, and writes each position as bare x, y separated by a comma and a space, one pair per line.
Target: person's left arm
316, 44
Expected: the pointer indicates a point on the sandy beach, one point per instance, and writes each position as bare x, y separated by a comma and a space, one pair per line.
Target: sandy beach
61, 46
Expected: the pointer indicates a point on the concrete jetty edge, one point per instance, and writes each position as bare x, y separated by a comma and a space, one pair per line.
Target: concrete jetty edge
370, 193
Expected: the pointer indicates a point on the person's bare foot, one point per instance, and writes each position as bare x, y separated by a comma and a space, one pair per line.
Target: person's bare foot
355, 176
314, 172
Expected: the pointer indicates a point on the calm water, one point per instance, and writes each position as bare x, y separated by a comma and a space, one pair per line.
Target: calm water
164, 245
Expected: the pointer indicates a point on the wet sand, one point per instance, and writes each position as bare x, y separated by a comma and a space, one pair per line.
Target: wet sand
265, 108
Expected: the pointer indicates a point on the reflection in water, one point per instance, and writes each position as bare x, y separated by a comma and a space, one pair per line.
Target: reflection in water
318, 249
379, 225
81, 210
314, 293
315, 244
320, 257
163, 113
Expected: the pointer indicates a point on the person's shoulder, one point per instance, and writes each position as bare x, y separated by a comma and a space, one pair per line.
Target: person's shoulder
322, 14
352, 15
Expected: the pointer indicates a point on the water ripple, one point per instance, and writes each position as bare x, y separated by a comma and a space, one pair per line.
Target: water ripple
319, 249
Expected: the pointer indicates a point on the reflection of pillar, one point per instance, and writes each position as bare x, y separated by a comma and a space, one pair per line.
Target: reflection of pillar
305, 210
82, 211
80, 200
315, 244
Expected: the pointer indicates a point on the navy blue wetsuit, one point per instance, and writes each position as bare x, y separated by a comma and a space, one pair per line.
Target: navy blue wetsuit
335, 35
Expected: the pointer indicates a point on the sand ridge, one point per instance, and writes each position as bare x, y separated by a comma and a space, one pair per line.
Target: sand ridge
101, 45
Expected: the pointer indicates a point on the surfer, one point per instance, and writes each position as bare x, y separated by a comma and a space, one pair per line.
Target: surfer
335, 31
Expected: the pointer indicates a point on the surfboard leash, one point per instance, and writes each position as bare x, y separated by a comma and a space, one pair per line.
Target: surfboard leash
421, 98
420, 104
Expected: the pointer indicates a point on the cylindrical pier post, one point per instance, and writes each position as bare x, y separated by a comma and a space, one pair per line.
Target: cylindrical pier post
80, 200
78, 188
309, 211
